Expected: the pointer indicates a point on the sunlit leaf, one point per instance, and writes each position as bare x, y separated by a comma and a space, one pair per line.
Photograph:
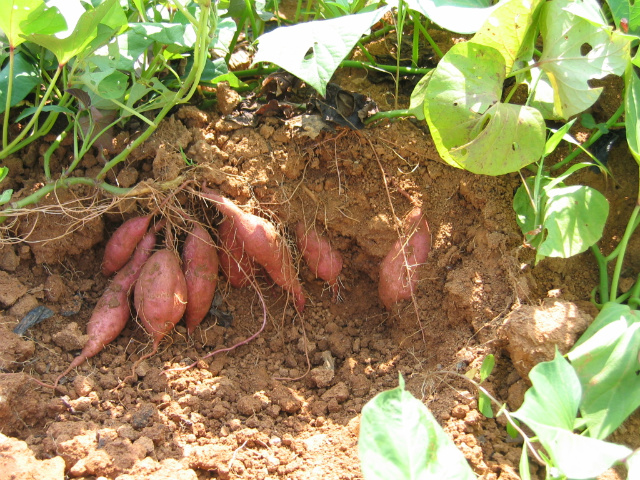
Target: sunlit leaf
312, 51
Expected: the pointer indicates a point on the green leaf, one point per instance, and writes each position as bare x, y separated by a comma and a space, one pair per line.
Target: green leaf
523, 467
632, 108
487, 367
47, 108
28, 16
25, 77
574, 219
557, 380
625, 9
416, 104
606, 361
401, 440
469, 125
484, 405
460, 16
511, 30
557, 137
170, 34
565, 34
313, 51
550, 408
83, 34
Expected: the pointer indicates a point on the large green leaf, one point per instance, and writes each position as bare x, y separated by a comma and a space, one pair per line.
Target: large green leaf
606, 361
575, 51
511, 29
632, 110
22, 17
401, 440
469, 125
312, 51
25, 77
568, 221
574, 219
550, 408
460, 16
85, 31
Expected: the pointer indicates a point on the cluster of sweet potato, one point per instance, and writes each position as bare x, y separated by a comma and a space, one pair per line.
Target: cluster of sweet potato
167, 288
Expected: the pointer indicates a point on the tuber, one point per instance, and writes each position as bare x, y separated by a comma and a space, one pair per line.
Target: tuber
160, 295
112, 311
122, 243
234, 262
200, 266
398, 271
324, 261
263, 244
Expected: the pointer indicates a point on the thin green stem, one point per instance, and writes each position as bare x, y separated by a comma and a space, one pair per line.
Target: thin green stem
10, 148
388, 114
366, 53
623, 248
377, 34
7, 106
415, 44
596, 135
425, 33
52, 148
604, 275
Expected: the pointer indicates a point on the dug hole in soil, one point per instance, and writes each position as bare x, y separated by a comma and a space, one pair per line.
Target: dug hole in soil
287, 404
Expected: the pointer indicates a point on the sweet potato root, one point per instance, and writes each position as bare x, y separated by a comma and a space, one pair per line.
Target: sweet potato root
160, 295
122, 243
112, 312
398, 271
234, 262
200, 266
324, 261
263, 244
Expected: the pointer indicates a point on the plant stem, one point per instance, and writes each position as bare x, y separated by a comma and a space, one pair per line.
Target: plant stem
388, 114
596, 135
631, 226
53, 147
7, 107
11, 147
426, 35
258, 71
604, 276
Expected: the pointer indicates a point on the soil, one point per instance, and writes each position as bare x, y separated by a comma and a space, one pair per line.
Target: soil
287, 404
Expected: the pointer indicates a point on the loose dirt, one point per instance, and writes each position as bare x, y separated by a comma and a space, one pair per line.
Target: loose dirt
287, 404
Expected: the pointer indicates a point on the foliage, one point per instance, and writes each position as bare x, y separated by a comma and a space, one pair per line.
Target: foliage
400, 439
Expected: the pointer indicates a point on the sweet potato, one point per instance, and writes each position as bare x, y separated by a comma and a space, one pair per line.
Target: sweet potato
234, 262
324, 261
398, 271
123, 242
200, 267
112, 311
160, 295
263, 244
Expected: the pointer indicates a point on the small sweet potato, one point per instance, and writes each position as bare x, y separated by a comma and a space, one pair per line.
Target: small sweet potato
200, 266
263, 244
122, 243
112, 312
234, 262
324, 261
160, 295
398, 271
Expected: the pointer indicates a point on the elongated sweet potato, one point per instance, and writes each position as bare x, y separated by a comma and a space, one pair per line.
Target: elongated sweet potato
112, 312
398, 271
234, 262
160, 295
123, 242
263, 244
324, 261
200, 266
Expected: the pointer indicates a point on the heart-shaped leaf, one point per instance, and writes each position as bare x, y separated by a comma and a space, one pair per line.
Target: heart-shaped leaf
469, 125
575, 51
313, 51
